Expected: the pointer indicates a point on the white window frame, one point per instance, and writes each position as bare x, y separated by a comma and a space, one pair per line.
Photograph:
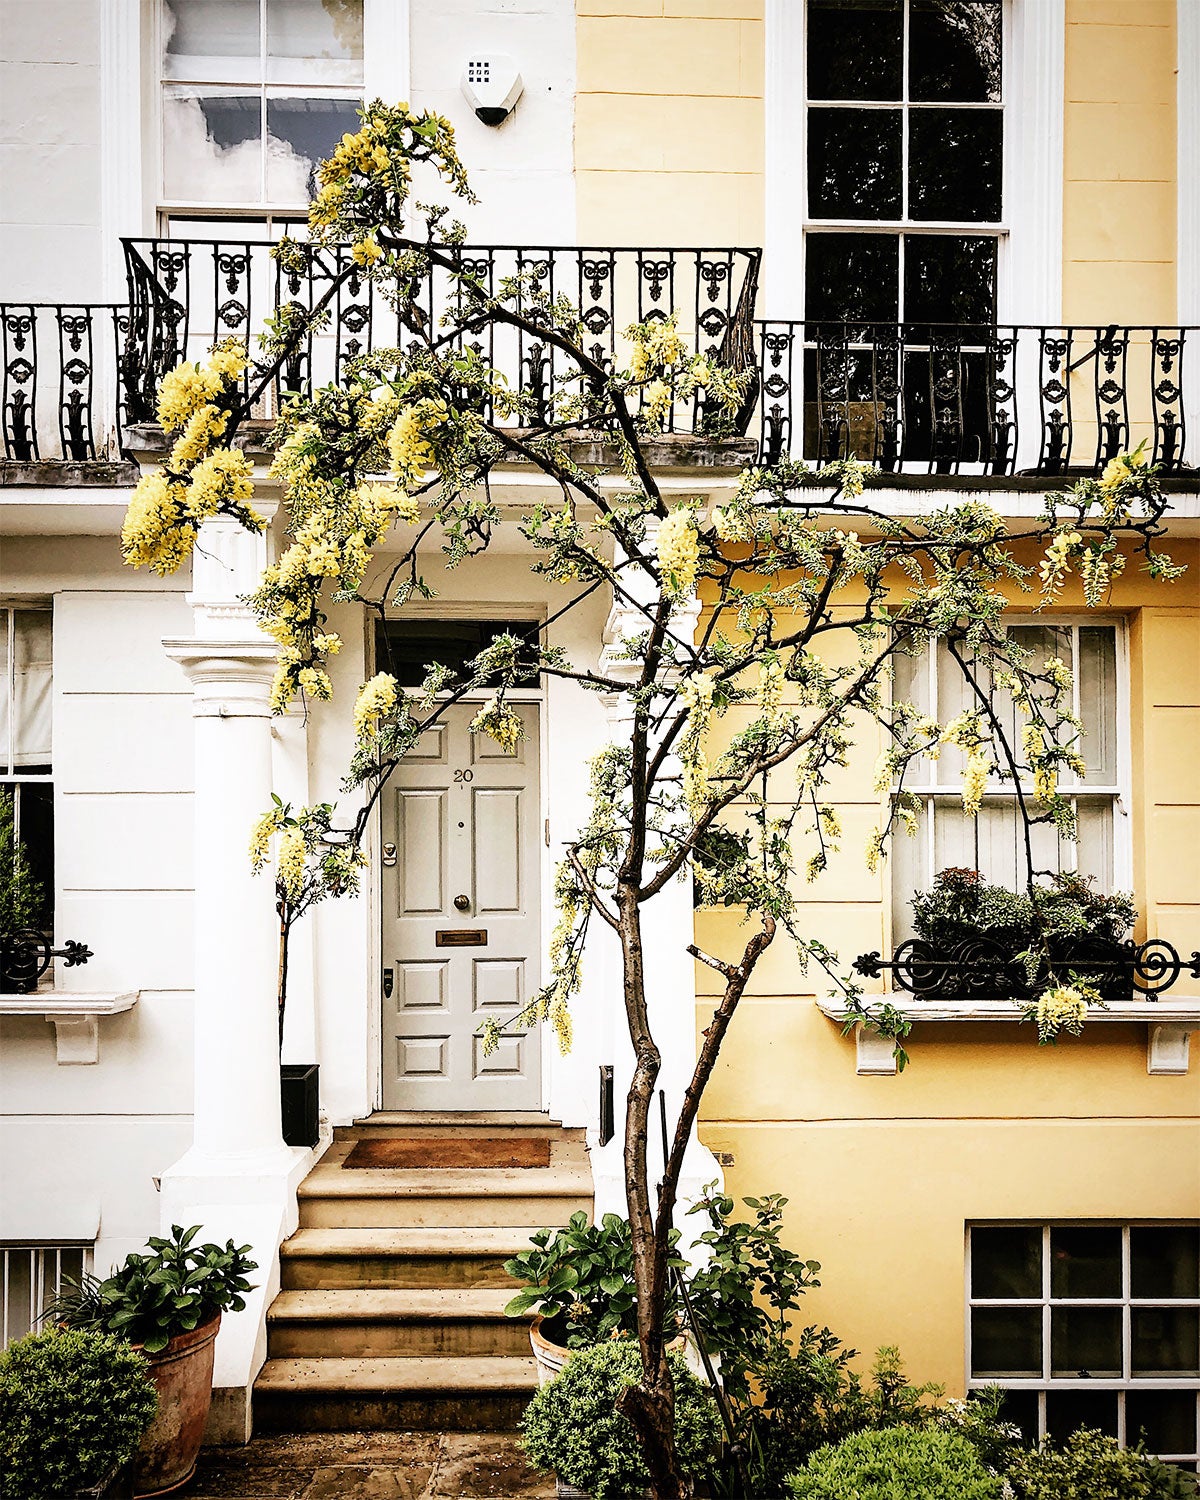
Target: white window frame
10, 774
1029, 274
386, 75
1046, 1382
1118, 791
45, 1280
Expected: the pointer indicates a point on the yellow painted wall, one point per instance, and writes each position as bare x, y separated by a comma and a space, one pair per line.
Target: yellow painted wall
1119, 162
669, 122
884, 1173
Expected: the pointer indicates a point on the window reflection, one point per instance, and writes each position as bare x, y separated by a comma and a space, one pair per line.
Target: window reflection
954, 51
854, 163
954, 164
855, 49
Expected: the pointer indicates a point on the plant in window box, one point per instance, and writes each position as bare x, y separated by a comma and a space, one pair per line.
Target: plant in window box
975, 938
168, 1304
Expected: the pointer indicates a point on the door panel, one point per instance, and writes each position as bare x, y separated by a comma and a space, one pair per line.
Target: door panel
464, 815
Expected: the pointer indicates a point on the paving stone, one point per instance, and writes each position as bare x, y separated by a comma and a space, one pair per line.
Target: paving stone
233, 1479
486, 1466
318, 1449
345, 1482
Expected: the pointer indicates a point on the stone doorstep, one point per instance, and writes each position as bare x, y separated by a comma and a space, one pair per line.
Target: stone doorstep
395, 1321
397, 1258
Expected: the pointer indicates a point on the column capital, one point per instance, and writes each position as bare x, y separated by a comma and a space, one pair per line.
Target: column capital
231, 679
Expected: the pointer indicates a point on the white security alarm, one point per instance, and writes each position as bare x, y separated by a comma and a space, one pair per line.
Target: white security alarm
491, 85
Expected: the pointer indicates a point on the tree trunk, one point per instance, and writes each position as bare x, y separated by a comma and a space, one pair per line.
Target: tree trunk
650, 1406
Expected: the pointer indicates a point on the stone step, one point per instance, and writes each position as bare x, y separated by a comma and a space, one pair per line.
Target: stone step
455, 1394
565, 1152
332, 1197
366, 1258
403, 1323
488, 1123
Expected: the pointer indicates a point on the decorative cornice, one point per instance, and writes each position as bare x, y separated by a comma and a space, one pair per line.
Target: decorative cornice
231, 679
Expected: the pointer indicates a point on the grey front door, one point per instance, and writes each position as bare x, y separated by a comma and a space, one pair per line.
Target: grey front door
461, 922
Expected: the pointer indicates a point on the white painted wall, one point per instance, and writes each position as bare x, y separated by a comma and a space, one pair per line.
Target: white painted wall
50, 161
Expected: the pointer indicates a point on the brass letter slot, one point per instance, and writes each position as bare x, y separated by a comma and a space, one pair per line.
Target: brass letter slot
461, 937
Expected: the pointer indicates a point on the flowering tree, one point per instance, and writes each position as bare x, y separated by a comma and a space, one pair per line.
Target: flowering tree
794, 564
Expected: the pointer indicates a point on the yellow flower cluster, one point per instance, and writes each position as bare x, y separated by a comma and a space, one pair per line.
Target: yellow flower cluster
376, 699
770, 688
224, 481
409, 447
1054, 566
156, 532
260, 840
655, 346
975, 779
500, 722
390, 500
292, 860
678, 552
697, 695
366, 251
1063, 1008
189, 387
1123, 467
193, 442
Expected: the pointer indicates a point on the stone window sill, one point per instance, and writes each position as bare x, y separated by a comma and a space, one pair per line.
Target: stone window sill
1169, 1025
75, 1016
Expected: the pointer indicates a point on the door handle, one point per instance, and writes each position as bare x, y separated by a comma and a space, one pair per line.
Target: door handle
462, 903
389, 854
388, 981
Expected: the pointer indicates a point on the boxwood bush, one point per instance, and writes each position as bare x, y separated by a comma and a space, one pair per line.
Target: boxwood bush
1090, 1466
897, 1463
573, 1428
73, 1406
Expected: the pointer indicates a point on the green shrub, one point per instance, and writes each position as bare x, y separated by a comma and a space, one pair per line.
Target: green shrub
73, 1405
897, 1463
1090, 1466
152, 1298
573, 1428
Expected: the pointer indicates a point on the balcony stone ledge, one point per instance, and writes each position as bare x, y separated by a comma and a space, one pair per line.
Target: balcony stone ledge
1169, 1025
75, 1016
68, 474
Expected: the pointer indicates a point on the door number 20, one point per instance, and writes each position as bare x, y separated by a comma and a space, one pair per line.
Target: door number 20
464, 775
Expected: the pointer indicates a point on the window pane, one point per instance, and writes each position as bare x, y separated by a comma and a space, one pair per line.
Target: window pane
1021, 1407
1085, 1342
407, 648
854, 49
1098, 702
1006, 1341
33, 708
1165, 1420
1085, 1262
1094, 846
954, 50
309, 40
992, 842
1165, 1260
954, 164
1068, 1410
854, 163
949, 279
851, 277
33, 804
212, 150
1166, 1340
1006, 1261
300, 133
6, 724
202, 30
908, 858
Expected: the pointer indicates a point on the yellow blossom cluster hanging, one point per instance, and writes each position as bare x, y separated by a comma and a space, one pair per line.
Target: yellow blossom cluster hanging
501, 723
678, 549
1062, 1008
376, 699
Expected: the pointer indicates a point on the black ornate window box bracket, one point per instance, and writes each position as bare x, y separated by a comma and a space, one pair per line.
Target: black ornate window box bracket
981, 968
26, 954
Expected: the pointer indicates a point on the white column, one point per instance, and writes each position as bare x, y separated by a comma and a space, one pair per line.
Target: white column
238, 1180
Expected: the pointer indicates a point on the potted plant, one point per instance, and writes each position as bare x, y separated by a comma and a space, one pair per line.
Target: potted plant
574, 1427
168, 1305
580, 1281
73, 1405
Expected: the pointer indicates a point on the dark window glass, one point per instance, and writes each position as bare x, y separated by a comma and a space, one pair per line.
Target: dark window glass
1068, 1410
407, 648
946, 408
1165, 1260
1006, 1262
1085, 1341
854, 163
1164, 1420
955, 164
852, 277
1165, 1340
1085, 1262
1021, 1407
949, 278
954, 50
1006, 1341
855, 49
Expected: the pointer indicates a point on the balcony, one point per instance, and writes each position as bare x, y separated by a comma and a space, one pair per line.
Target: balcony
929, 405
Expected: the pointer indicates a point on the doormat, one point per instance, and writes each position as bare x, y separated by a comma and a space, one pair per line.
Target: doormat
447, 1151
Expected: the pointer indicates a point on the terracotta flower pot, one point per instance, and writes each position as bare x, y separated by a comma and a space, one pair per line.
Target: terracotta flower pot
550, 1357
182, 1373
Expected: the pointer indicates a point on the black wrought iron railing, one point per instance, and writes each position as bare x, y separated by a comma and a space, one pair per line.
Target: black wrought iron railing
983, 399
63, 394
983, 969
185, 294
26, 955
